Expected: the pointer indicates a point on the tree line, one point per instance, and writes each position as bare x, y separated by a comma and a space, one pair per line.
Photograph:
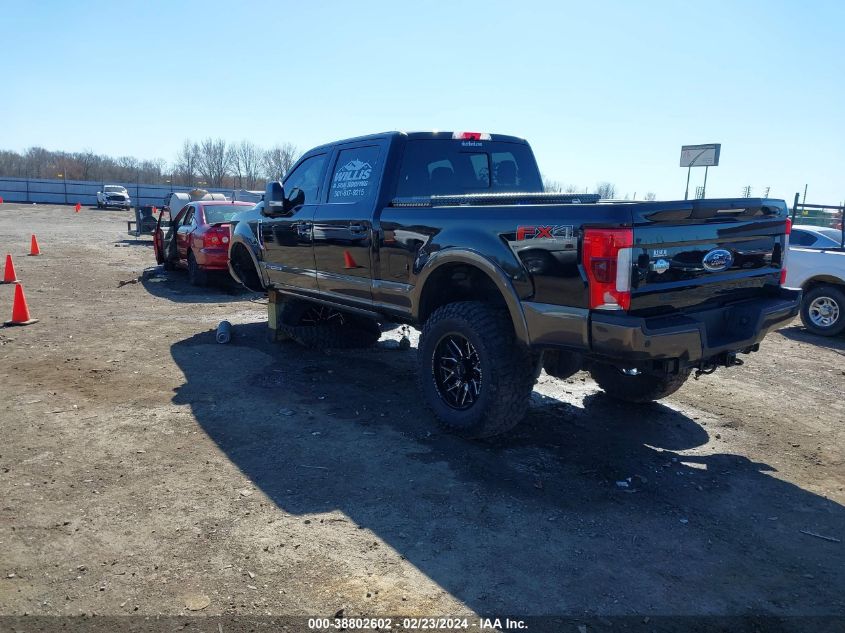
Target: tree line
607, 190
210, 162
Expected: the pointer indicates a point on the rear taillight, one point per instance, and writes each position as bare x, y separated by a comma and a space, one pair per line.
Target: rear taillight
607, 256
216, 237
785, 251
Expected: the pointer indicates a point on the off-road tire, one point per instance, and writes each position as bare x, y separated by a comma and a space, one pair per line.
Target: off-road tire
196, 275
349, 331
506, 369
639, 388
834, 294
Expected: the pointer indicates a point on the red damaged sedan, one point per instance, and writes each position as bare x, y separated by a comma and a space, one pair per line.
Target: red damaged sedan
197, 238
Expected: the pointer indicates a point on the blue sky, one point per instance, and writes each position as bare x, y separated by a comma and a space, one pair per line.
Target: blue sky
602, 90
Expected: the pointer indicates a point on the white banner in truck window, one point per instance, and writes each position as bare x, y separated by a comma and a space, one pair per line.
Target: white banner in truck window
354, 173
352, 179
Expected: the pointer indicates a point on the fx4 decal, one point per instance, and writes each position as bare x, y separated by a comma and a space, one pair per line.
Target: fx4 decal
544, 232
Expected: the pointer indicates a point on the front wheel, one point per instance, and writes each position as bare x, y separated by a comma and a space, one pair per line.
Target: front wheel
823, 310
631, 386
473, 373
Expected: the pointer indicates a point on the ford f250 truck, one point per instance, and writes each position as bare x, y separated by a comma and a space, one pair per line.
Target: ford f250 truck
113, 196
452, 233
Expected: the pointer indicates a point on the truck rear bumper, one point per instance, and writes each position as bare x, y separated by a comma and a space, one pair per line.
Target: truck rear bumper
691, 337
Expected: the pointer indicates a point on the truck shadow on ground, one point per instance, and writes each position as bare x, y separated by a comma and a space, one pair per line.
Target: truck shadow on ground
586, 508
173, 285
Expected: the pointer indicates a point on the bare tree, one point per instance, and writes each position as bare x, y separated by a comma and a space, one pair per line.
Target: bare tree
571, 189
128, 166
551, 186
12, 164
187, 162
214, 160
64, 164
236, 165
651, 196
88, 162
278, 160
37, 162
606, 190
249, 158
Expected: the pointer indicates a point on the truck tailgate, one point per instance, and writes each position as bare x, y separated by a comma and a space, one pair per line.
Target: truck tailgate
705, 252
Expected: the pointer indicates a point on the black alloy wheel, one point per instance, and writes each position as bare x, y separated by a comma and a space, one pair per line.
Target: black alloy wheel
457, 371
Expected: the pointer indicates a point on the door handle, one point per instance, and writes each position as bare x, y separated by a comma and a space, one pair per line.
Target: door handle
355, 227
302, 228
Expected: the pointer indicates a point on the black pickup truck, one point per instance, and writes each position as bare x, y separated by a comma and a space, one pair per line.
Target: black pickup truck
452, 233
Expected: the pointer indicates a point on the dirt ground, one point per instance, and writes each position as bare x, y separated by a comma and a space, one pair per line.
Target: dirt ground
145, 469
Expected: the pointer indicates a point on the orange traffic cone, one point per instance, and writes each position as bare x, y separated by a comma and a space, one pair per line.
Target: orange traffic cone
20, 311
78, 207
33, 246
348, 261
9, 276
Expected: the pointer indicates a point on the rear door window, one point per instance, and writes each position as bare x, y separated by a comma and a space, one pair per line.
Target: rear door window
354, 175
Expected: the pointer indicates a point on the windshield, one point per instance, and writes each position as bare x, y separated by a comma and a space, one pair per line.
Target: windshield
450, 167
217, 213
112, 189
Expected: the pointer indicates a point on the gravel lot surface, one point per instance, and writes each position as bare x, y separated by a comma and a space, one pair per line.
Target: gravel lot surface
145, 469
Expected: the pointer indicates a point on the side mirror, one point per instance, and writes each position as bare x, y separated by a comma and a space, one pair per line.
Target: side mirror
274, 199
276, 203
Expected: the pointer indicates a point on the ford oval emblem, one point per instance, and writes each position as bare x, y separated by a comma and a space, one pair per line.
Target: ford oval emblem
717, 260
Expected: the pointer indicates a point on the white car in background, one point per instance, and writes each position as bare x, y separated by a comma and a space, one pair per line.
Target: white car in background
113, 196
816, 263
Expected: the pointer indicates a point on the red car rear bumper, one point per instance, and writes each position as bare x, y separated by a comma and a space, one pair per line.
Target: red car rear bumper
213, 258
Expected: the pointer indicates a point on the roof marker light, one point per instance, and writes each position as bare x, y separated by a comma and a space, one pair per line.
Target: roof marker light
471, 136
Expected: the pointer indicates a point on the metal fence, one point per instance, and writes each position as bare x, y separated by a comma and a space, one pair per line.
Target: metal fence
85, 191
825, 215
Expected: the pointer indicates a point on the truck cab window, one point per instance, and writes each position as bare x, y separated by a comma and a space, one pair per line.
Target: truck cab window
446, 167
505, 171
307, 178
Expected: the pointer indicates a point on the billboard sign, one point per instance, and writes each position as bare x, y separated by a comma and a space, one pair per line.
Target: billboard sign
700, 155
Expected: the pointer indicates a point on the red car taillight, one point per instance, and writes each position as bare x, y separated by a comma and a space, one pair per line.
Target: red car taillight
216, 237
607, 259
785, 251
